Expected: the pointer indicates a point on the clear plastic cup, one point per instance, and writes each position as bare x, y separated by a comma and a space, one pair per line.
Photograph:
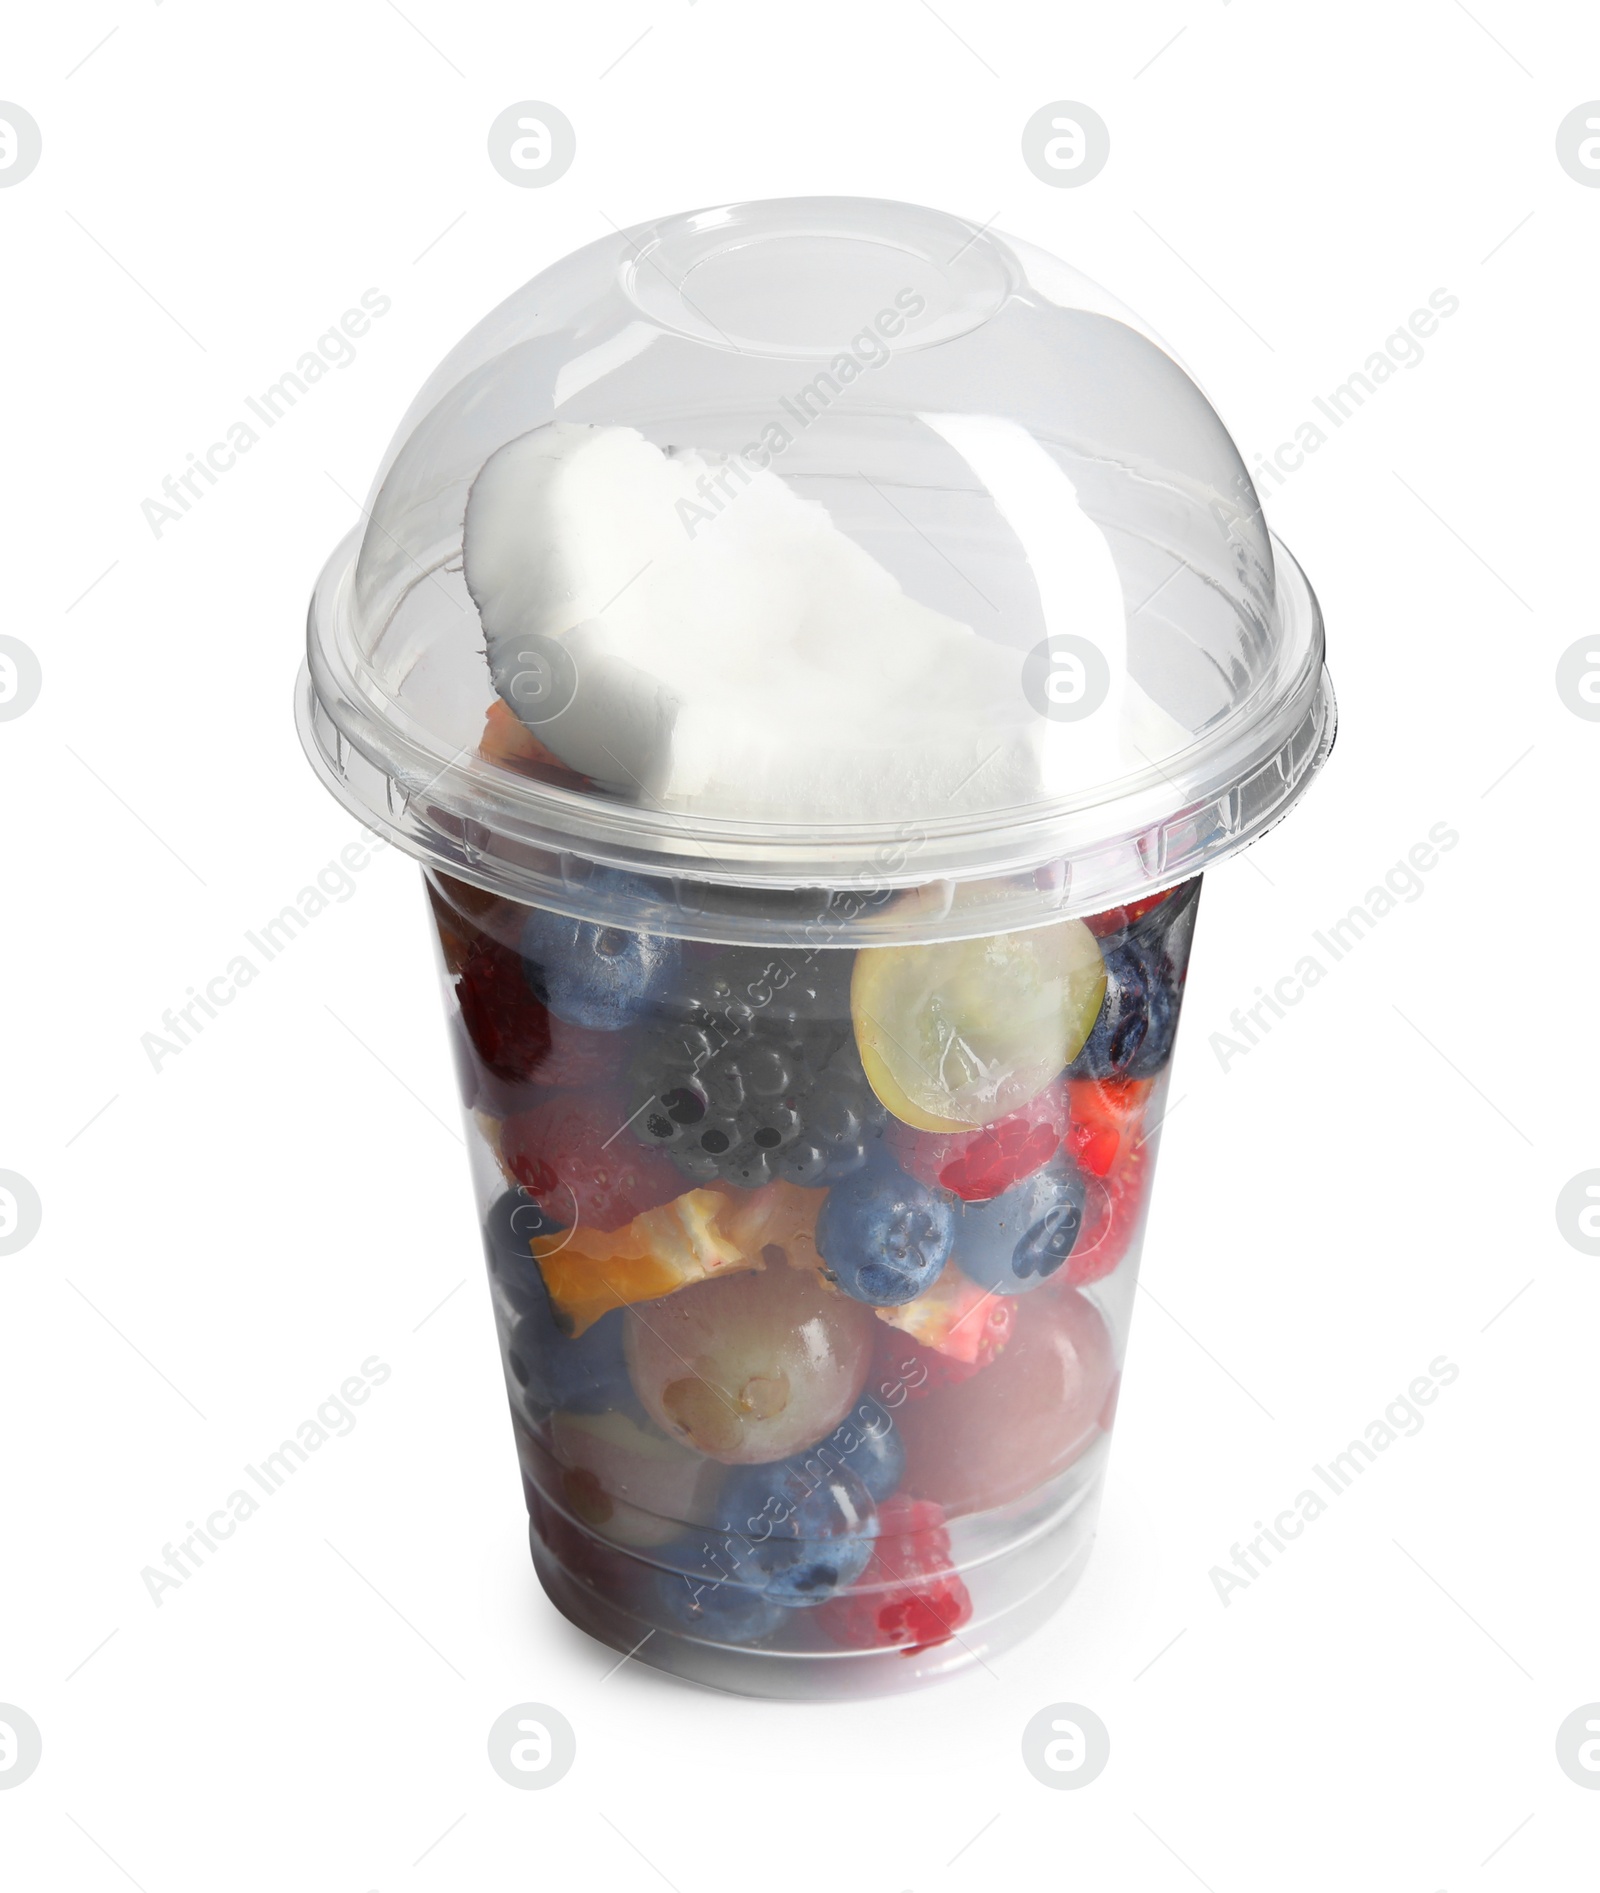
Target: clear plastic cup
815, 649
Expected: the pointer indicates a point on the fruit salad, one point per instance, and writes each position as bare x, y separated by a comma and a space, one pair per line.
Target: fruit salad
812, 1267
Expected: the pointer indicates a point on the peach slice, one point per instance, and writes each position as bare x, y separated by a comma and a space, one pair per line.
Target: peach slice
697, 1236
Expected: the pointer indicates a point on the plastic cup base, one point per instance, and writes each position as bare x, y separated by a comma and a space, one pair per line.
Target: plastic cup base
1028, 1583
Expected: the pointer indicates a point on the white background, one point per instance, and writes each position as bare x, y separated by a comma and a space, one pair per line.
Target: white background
225, 1241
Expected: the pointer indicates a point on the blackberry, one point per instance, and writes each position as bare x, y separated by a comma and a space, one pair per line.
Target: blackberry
749, 1100
733, 987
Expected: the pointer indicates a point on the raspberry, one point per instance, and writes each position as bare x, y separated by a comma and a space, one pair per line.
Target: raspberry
982, 1164
466, 914
516, 1039
918, 1519
509, 1029
568, 1153
909, 1597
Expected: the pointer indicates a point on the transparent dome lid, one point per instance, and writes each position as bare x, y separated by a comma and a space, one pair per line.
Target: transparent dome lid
821, 544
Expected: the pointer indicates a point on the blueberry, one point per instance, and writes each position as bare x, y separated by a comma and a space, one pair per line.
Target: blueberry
513, 1221
597, 976
883, 1235
718, 1608
1163, 992
1121, 1026
805, 1525
586, 1375
583, 1375
1019, 1239
1138, 1018
1164, 937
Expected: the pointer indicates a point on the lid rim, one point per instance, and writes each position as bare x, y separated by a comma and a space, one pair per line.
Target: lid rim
372, 722
512, 842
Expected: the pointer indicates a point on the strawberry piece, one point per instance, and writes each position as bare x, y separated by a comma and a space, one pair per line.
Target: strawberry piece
517, 1040
910, 1596
1115, 920
508, 741
902, 1370
572, 1155
1106, 1117
1112, 1215
955, 1318
937, 1370
982, 1164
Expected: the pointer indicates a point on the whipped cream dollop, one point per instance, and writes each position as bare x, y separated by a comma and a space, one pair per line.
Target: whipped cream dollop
684, 629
